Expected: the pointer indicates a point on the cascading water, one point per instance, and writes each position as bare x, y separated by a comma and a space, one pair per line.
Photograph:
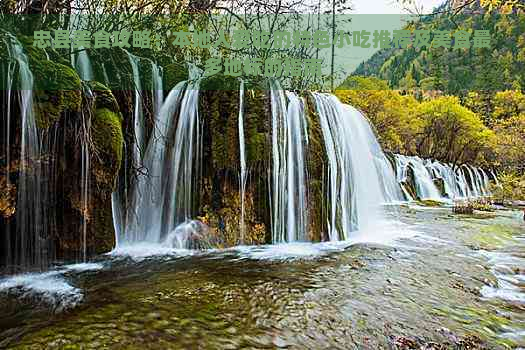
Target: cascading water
462, 182
31, 242
494, 177
164, 197
124, 216
82, 65
158, 89
360, 178
85, 141
8, 70
463, 185
289, 171
472, 181
146, 221
447, 175
242, 155
138, 112
424, 185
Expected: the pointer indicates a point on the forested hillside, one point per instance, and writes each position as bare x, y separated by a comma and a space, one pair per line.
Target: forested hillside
451, 70
454, 105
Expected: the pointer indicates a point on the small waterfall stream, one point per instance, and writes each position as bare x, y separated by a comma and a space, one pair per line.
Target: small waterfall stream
158, 89
85, 173
31, 241
242, 155
465, 181
289, 171
82, 65
138, 113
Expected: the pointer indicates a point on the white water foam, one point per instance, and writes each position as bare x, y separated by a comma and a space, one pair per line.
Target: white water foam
510, 284
385, 233
50, 288
144, 250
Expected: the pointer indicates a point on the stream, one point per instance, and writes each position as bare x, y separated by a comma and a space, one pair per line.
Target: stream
435, 281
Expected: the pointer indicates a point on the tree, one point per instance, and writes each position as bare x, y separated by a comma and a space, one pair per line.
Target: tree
511, 187
510, 142
508, 104
452, 133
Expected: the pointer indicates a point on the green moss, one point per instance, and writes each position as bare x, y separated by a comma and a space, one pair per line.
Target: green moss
220, 82
112, 67
430, 203
255, 125
317, 163
106, 132
58, 87
103, 97
174, 73
221, 109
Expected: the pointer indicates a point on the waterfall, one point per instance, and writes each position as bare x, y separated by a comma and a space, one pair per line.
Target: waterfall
289, 171
138, 113
471, 182
447, 174
460, 182
146, 220
158, 89
82, 65
242, 155
9, 71
163, 198
494, 177
31, 242
424, 185
125, 217
360, 177
85, 175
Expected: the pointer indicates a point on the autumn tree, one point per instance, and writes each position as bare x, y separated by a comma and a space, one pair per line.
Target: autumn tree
453, 133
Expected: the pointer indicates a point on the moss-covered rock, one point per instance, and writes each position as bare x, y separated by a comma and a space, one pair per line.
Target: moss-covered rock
104, 98
173, 74
108, 141
430, 203
317, 164
440, 184
57, 86
106, 133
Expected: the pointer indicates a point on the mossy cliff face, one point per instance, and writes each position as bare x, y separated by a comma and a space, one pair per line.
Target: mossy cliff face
105, 148
62, 111
317, 170
57, 86
173, 74
108, 142
220, 198
107, 136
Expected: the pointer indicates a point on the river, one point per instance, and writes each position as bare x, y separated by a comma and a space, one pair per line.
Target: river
425, 277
